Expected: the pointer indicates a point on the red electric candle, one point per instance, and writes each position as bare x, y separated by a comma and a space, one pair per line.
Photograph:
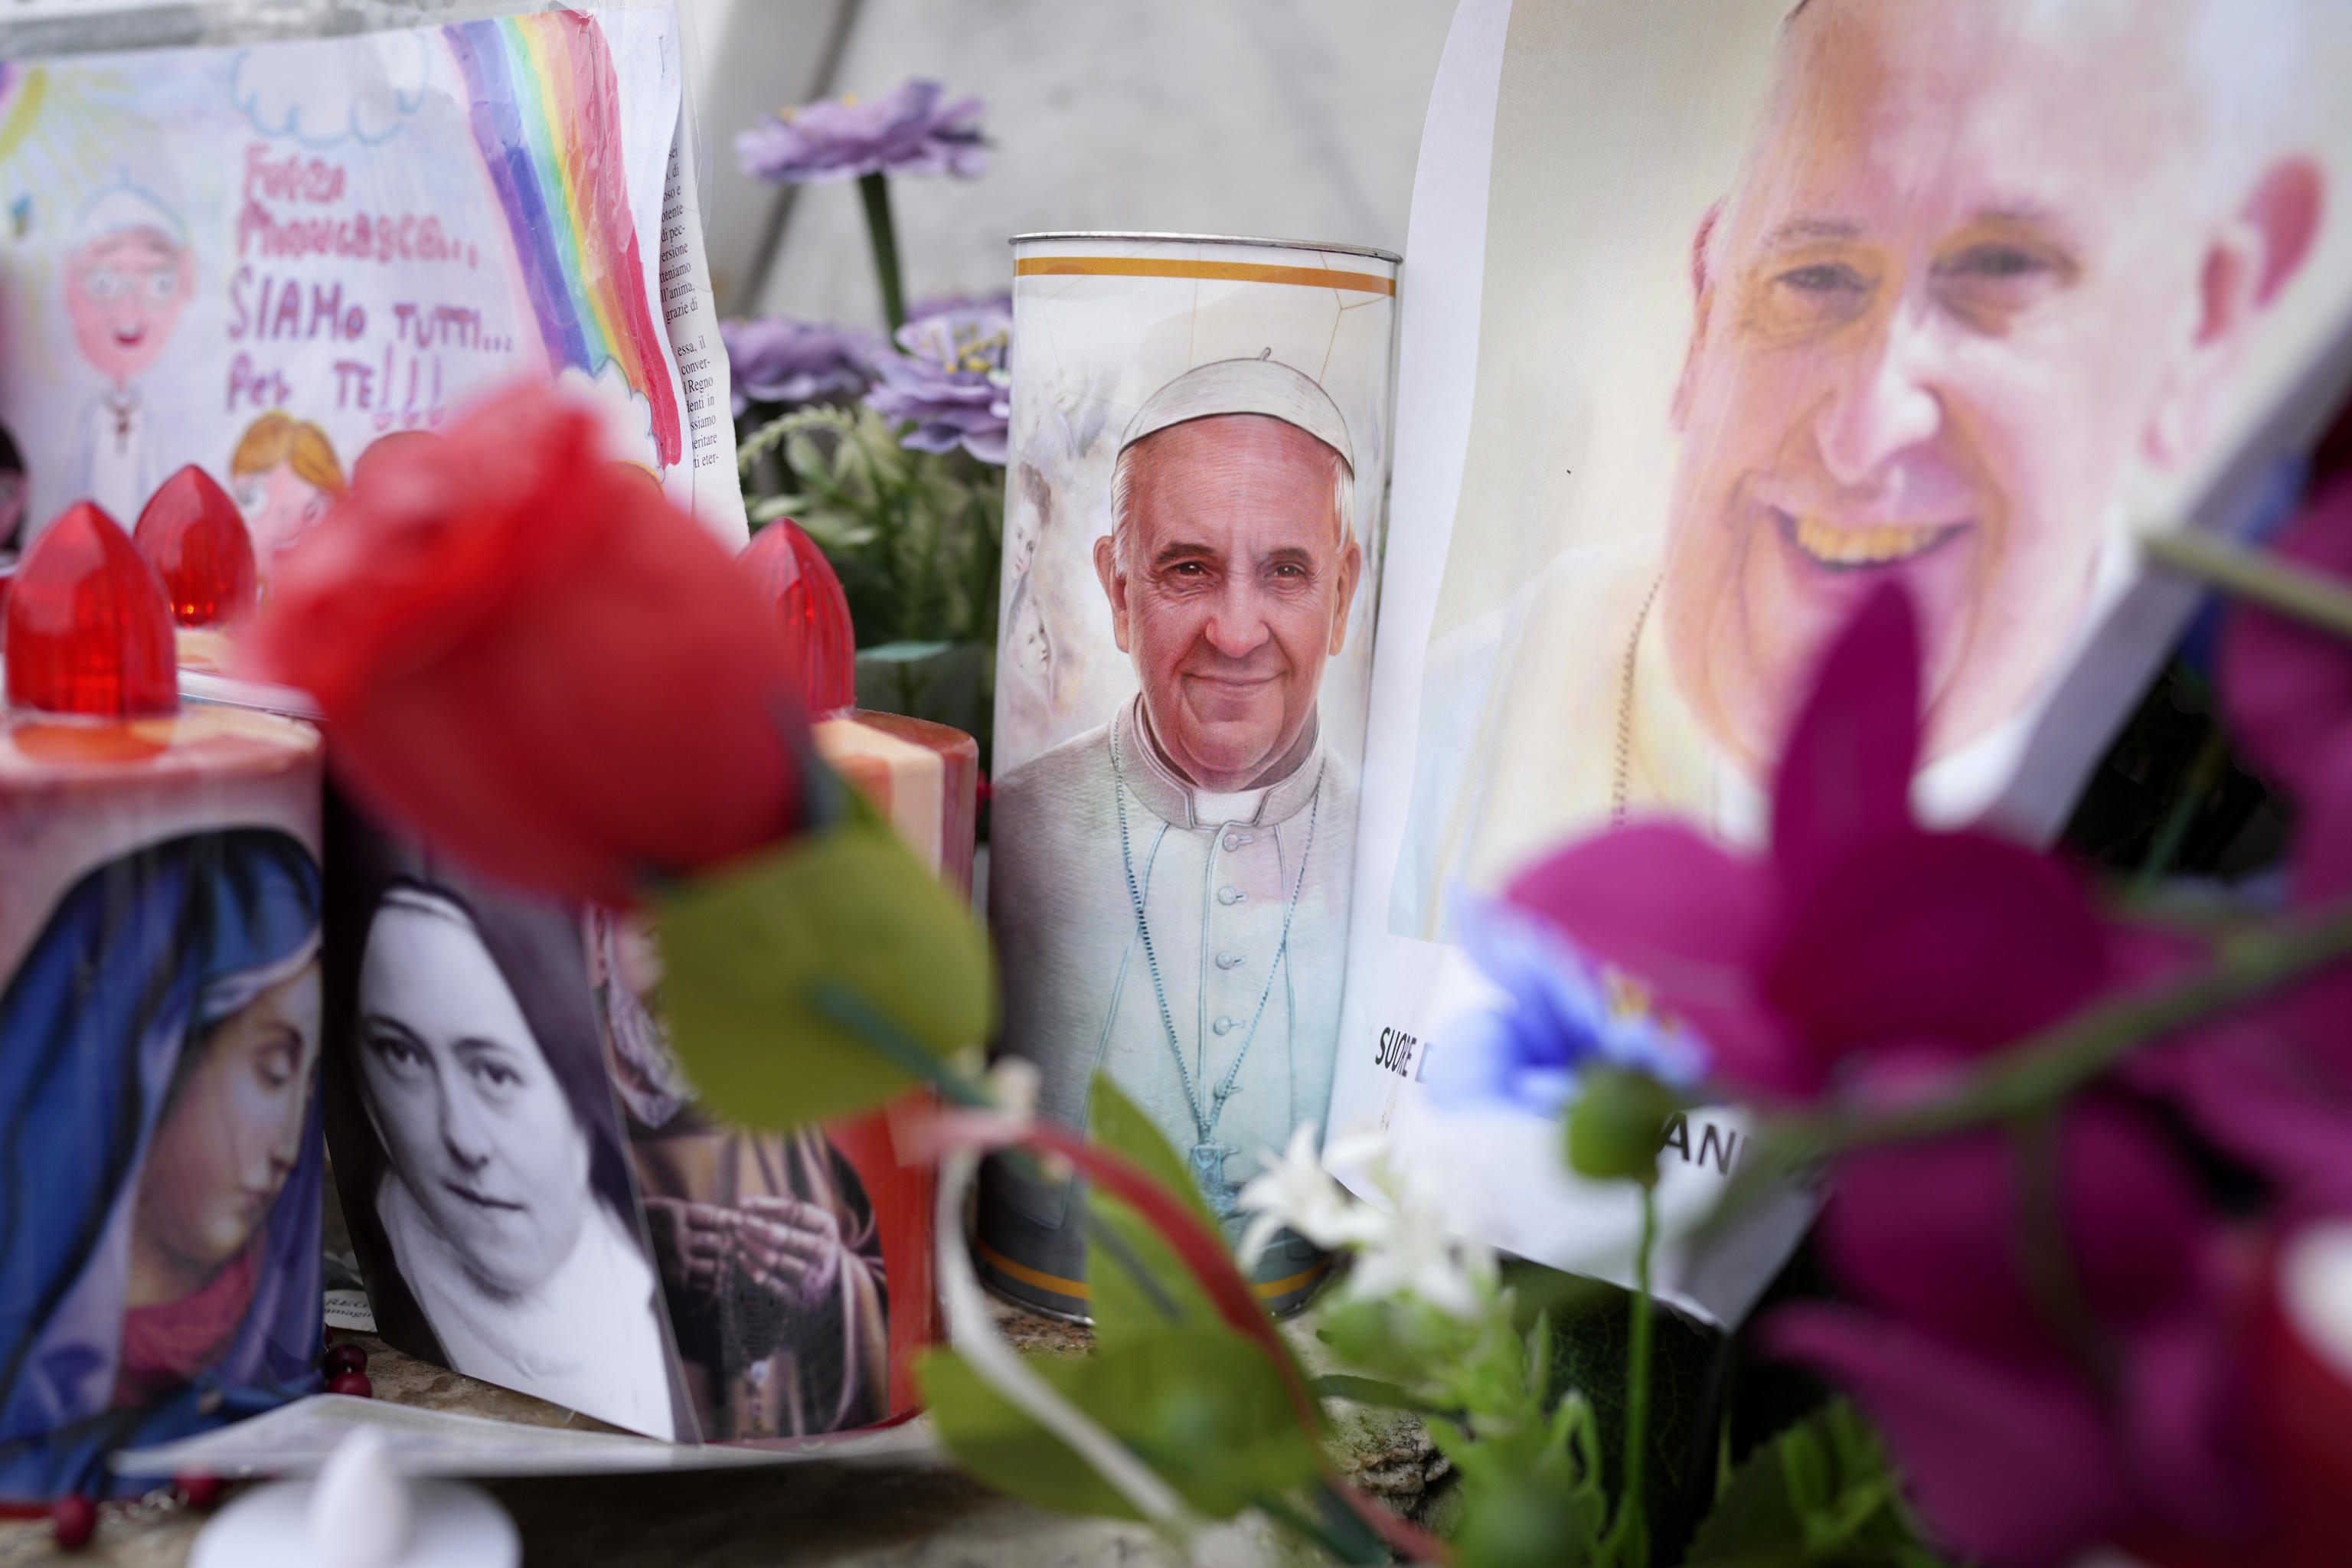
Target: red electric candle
788, 566
197, 539
89, 625
923, 777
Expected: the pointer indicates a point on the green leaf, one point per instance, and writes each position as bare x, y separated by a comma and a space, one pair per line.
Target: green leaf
1753, 1519
904, 652
1120, 1303
768, 960
1377, 1393
1591, 1348
1805, 1470
1120, 1243
1121, 1126
1208, 1410
1135, 1283
1203, 1408
1820, 1492
804, 457
1001, 1445
1527, 1522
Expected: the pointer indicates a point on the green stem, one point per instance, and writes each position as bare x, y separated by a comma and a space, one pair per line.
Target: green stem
853, 1012
2204, 772
2051, 1278
2048, 1067
875, 191
1629, 1540
761, 442
2254, 574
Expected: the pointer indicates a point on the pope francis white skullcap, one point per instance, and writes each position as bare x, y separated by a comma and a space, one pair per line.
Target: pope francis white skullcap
1260, 385
122, 207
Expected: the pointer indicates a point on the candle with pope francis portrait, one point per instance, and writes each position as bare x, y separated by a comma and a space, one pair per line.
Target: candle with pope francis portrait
1197, 468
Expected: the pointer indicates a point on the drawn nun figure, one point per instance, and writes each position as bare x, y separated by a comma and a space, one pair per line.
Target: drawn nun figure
161, 1159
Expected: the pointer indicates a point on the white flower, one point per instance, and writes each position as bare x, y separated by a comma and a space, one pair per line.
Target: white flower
1402, 1244
1412, 1251
1296, 1191
1419, 1256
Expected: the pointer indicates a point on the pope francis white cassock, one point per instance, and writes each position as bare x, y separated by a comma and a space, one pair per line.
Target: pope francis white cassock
1170, 890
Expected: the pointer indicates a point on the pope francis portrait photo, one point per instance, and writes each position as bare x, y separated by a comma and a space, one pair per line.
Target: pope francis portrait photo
1169, 890
1985, 277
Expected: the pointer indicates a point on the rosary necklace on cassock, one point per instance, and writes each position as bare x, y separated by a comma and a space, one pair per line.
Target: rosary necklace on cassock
1208, 1156
1621, 772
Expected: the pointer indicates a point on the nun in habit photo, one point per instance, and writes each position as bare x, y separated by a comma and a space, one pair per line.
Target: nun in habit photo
477, 1152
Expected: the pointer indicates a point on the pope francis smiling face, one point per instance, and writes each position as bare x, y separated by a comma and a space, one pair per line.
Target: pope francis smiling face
1230, 570
1985, 261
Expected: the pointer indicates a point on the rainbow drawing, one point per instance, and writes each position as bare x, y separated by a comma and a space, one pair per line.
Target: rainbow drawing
547, 117
22, 89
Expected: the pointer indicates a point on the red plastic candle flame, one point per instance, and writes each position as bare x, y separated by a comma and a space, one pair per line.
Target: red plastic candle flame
89, 627
199, 545
791, 570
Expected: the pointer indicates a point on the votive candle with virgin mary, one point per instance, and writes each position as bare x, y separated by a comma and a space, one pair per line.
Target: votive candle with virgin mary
161, 1157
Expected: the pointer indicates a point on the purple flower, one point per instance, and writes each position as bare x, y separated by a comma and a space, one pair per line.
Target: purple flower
951, 382
948, 304
1559, 1015
909, 132
776, 360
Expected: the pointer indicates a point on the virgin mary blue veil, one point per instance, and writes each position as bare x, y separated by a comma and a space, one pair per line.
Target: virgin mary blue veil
140, 956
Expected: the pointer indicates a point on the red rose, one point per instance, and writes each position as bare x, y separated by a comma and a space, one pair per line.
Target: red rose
526, 653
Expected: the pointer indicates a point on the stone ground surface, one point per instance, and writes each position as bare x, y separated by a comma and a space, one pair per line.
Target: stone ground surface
899, 1515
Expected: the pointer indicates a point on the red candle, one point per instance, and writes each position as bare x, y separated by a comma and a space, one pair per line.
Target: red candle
197, 539
90, 629
784, 560
160, 922
924, 777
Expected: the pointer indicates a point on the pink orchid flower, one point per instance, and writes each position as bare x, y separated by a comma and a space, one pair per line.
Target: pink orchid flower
1858, 929
1861, 958
2274, 1084
2025, 1443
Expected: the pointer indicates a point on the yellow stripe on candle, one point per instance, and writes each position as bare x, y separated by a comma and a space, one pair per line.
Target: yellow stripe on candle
1077, 1289
1219, 271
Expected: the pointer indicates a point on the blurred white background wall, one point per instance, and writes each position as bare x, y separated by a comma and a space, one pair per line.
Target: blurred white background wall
1294, 119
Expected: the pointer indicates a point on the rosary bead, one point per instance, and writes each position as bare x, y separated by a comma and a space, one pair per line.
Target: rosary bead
73, 1519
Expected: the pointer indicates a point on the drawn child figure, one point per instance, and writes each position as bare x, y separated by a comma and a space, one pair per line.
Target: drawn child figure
128, 281
286, 477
